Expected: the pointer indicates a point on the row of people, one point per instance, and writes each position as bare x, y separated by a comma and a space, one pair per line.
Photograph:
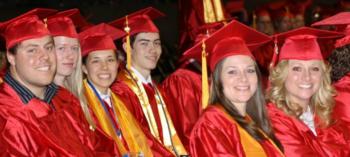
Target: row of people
120, 110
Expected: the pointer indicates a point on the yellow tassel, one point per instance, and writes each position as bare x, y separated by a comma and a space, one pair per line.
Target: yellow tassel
128, 46
254, 21
205, 89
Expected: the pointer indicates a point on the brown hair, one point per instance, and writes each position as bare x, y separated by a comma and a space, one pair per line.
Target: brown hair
255, 107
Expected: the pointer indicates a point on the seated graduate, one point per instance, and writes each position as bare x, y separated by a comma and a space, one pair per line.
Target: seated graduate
235, 123
301, 96
100, 65
37, 117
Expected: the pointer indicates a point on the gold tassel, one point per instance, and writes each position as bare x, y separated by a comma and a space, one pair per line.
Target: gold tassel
213, 11
128, 46
205, 89
254, 21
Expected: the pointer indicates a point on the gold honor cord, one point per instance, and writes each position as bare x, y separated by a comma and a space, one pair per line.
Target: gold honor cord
128, 46
205, 88
213, 11
136, 85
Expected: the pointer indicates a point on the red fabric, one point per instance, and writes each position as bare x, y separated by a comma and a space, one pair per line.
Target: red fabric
215, 135
132, 103
342, 108
139, 21
62, 26
33, 129
99, 37
152, 100
299, 141
183, 94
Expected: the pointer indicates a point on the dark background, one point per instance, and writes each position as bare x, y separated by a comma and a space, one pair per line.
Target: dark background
97, 11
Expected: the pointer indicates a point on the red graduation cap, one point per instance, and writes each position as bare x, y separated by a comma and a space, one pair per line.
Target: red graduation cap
26, 26
65, 23
99, 37
342, 23
301, 44
233, 39
139, 21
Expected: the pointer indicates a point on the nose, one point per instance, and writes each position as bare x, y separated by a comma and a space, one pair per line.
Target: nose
43, 54
104, 65
306, 75
243, 77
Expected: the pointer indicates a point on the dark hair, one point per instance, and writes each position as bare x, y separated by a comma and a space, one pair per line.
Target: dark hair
12, 50
255, 107
340, 62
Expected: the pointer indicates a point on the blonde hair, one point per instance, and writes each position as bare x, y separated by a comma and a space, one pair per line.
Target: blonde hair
74, 83
321, 102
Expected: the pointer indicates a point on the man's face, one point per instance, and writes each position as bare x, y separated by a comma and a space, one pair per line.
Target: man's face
146, 51
34, 63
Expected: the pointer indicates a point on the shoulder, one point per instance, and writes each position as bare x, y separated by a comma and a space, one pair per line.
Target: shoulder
183, 75
215, 118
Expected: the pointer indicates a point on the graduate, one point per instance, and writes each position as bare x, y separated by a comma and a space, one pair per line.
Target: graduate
339, 61
37, 117
235, 123
301, 96
143, 48
100, 65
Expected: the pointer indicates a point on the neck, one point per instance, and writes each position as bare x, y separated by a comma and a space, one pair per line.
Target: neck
59, 80
302, 103
38, 91
145, 73
241, 107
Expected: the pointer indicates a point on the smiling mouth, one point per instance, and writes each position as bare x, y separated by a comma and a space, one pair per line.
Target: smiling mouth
43, 68
242, 88
153, 58
305, 86
104, 76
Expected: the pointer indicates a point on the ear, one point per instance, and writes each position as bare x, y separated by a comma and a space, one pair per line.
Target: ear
11, 58
84, 69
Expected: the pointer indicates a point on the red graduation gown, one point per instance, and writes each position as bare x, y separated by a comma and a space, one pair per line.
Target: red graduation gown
217, 134
299, 141
132, 103
34, 129
183, 93
342, 100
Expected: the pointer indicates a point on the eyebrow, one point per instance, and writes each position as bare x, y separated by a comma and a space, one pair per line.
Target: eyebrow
147, 40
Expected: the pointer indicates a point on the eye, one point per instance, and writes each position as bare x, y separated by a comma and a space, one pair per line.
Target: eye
75, 48
49, 48
315, 69
94, 61
111, 60
144, 43
298, 69
232, 72
157, 43
32, 50
252, 70
61, 48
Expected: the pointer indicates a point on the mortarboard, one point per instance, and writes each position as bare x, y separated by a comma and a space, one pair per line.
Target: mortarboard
342, 23
66, 22
301, 44
26, 26
233, 39
99, 37
137, 22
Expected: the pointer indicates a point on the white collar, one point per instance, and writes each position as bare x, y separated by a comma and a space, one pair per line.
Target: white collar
141, 78
104, 97
308, 118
